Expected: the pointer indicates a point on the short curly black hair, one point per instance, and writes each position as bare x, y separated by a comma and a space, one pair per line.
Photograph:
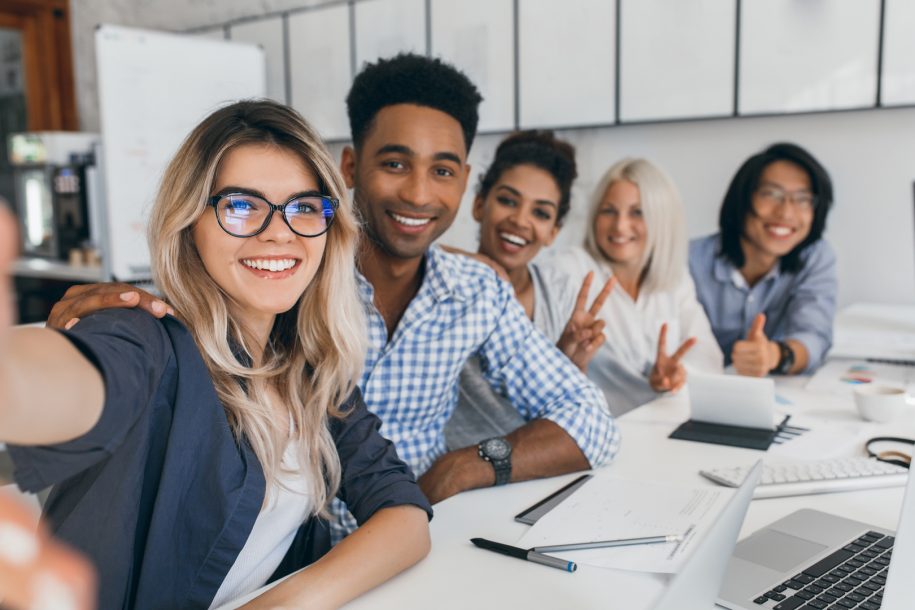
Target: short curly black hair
542, 149
408, 78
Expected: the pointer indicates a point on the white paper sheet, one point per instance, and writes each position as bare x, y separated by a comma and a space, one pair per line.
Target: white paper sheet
605, 508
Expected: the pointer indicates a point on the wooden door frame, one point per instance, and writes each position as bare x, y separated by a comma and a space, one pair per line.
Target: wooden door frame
47, 58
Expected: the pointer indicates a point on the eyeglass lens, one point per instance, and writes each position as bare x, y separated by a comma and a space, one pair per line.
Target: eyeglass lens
244, 215
771, 195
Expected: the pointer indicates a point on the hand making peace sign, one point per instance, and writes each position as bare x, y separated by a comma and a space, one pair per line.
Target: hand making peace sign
583, 333
667, 374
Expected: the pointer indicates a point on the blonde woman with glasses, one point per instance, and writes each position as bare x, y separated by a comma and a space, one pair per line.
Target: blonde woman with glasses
193, 457
655, 327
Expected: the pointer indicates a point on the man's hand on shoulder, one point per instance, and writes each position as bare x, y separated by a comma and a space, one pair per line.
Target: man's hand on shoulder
81, 300
455, 472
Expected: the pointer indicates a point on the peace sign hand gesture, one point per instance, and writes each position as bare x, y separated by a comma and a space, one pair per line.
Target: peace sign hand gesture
584, 333
667, 374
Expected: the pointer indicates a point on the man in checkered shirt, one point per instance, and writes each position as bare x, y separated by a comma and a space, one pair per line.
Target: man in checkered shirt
413, 120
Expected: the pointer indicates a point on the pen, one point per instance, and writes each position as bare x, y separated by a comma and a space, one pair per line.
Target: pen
600, 544
528, 554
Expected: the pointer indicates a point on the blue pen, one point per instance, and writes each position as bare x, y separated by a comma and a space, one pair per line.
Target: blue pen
526, 554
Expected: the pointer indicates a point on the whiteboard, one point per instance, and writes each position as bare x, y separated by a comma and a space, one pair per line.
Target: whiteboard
677, 59
385, 28
320, 68
798, 56
898, 53
555, 41
477, 36
268, 33
153, 89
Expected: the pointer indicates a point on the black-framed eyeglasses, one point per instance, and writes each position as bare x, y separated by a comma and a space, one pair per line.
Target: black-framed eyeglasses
772, 195
246, 215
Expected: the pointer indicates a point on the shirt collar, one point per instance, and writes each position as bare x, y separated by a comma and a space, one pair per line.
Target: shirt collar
724, 271
440, 277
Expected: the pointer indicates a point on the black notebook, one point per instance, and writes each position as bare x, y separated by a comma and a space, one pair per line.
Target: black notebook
723, 434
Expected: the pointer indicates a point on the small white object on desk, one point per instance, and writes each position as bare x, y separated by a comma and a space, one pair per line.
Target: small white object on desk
880, 403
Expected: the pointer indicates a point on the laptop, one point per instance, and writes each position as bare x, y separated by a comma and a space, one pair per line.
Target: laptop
696, 585
812, 559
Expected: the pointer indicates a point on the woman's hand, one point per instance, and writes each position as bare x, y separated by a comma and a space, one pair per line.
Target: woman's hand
35, 571
9, 246
667, 374
584, 333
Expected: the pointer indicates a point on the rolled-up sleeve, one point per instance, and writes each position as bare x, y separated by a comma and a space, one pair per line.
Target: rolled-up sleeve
542, 383
812, 307
373, 476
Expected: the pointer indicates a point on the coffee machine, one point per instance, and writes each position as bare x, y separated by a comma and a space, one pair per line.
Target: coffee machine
53, 175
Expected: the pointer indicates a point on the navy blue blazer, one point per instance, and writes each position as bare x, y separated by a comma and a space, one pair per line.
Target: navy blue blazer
159, 495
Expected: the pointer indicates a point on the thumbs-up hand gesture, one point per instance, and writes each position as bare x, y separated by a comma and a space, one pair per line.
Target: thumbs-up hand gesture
667, 374
584, 333
756, 355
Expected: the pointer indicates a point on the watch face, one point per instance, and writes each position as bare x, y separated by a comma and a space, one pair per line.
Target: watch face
496, 448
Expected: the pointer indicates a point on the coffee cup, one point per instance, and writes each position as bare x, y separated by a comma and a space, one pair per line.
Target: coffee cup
880, 403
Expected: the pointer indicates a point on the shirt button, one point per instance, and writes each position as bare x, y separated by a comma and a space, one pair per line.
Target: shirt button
750, 299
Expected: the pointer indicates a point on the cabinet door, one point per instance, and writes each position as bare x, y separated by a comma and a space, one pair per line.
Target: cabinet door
566, 62
268, 33
676, 59
799, 56
898, 82
477, 36
320, 71
385, 28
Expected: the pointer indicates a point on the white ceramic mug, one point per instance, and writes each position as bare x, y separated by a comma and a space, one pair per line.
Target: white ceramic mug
880, 403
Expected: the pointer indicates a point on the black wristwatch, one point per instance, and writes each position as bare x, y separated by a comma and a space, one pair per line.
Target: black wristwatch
498, 452
785, 359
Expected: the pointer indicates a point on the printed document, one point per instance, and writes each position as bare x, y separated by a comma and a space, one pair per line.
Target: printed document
606, 508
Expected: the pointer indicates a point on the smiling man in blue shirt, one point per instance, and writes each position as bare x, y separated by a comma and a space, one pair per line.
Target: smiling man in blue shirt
413, 120
768, 279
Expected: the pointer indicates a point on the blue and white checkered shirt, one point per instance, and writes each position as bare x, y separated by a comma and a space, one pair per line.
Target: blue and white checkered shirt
462, 308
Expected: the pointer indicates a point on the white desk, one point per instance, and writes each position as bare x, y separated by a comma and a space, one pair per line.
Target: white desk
458, 575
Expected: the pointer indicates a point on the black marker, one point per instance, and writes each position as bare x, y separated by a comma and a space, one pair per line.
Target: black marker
527, 554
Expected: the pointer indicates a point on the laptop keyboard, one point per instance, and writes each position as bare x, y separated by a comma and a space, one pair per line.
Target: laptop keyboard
852, 577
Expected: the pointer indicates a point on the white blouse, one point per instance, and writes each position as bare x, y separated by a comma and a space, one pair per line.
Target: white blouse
288, 507
623, 363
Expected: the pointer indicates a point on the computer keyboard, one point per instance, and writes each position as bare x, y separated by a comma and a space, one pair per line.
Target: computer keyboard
814, 477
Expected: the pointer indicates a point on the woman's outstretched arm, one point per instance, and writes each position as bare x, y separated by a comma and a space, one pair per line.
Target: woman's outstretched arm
49, 392
391, 541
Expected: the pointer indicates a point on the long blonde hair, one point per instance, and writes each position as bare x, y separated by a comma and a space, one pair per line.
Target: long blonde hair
663, 263
316, 350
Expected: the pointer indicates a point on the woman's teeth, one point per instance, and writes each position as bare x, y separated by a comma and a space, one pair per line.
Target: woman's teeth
410, 222
272, 264
513, 239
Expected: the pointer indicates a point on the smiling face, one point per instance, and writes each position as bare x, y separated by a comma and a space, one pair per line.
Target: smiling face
773, 229
619, 227
265, 274
518, 216
408, 177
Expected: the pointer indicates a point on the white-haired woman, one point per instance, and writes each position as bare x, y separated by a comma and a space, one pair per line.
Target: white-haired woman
654, 324
193, 457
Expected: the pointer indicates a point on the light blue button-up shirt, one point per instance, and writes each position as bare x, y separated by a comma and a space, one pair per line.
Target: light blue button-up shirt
799, 306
